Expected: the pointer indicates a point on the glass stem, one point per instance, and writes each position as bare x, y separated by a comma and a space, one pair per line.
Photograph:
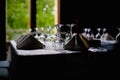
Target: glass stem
71, 31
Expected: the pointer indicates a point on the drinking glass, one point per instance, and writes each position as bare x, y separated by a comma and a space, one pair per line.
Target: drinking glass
103, 36
59, 42
118, 35
71, 26
48, 29
88, 33
98, 33
85, 32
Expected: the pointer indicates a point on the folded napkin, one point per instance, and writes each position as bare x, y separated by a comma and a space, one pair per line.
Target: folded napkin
20, 38
77, 42
28, 42
107, 36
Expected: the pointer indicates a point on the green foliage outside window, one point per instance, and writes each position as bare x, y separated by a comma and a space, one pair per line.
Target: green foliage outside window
18, 15
45, 13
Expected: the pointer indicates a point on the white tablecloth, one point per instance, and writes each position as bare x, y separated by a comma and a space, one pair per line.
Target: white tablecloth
40, 51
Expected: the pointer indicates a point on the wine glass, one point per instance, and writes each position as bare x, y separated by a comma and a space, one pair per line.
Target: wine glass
71, 26
104, 30
42, 37
42, 29
118, 35
60, 39
58, 27
91, 35
85, 32
36, 36
103, 34
98, 33
88, 33
48, 29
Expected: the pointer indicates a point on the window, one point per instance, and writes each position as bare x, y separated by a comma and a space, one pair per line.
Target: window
18, 16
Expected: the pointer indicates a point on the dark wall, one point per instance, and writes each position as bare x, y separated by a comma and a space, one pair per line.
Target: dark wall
2, 30
91, 14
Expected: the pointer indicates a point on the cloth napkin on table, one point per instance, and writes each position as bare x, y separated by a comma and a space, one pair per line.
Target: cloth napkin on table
77, 42
28, 42
107, 36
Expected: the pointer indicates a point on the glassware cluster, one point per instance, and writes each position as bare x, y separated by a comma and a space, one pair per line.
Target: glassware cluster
57, 40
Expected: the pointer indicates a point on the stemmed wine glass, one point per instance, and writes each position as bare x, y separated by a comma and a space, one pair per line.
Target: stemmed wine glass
60, 39
58, 27
85, 32
48, 36
118, 35
103, 34
71, 26
48, 29
42, 37
88, 33
98, 34
42, 29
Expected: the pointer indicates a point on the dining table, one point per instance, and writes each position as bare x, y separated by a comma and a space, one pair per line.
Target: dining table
58, 63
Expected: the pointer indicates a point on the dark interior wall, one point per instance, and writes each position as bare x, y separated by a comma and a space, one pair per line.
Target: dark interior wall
2, 30
99, 12
67, 12
91, 14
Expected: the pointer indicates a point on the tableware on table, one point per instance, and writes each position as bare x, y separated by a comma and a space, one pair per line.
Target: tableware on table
118, 35
71, 26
